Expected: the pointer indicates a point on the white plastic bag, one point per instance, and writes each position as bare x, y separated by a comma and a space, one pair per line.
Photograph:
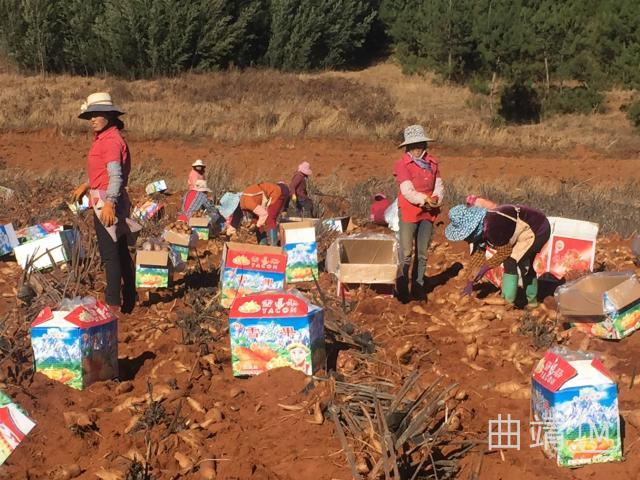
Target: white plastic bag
391, 216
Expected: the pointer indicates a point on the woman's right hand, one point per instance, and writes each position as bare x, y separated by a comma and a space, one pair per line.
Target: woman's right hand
80, 191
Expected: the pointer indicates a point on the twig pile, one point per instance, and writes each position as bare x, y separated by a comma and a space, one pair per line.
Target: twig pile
401, 436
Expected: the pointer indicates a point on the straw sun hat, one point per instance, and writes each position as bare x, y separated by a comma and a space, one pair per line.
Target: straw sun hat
98, 102
414, 134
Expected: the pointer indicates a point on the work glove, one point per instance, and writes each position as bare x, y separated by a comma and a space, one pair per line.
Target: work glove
80, 192
481, 273
294, 198
108, 214
467, 290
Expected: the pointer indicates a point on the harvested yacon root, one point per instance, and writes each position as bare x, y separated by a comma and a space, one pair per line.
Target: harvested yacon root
318, 417
472, 351
403, 353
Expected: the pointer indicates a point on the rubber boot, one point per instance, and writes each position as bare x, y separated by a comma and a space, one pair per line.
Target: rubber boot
531, 291
510, 287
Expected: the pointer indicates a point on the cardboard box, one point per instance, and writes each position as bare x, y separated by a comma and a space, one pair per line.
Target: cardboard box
276, 329
576, 402
571, 247
299, 242
152, 269
146, 211
157, 186
366, 260
605, 305
339, 224
57, 246
181, 243
250, 269
200, 226
35, 232
8, 239
14, 426
76, 347
300, 219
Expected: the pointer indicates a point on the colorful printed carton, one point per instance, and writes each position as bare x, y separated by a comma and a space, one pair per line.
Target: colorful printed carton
200, 226
14, 426
53, 248
155, 187
78, 346
146, 211
180, 243
8, 239
605, 305
299, 243
152, 269
250, 269
276, 329
575, 402
35, 232
571, 248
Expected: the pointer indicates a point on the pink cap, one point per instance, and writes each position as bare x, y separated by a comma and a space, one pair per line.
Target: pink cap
305, 168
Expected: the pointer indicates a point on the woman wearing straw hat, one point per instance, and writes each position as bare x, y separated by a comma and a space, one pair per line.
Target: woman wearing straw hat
108, 167
420, 196
197, 173
517, 233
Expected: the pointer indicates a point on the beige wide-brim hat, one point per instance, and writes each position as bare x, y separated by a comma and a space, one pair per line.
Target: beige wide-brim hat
201, 186
414, 134
98, 102
198, 163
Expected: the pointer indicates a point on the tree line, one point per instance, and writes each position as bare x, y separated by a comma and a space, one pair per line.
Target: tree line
567, 50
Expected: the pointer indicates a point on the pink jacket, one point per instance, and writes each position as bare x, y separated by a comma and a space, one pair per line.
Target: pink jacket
193, 178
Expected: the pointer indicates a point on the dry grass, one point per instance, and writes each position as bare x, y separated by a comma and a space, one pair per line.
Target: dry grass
259, 104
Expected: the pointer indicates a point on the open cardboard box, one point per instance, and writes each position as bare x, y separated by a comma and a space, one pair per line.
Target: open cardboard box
180, 242
358, 260
604, 304
152, 269
200, 226
54, 248
8, 239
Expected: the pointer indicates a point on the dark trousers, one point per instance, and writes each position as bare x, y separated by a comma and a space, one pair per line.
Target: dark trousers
121, 286
525, 265
305, 207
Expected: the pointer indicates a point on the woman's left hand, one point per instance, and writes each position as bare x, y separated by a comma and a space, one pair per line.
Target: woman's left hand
108, 214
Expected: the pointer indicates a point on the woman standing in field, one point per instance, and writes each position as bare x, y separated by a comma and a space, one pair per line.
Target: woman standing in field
299, 190
266, 201
196, 174
108, 168
516, 233
419, 198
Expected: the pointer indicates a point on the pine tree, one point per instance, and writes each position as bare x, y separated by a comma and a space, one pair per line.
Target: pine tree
321, 34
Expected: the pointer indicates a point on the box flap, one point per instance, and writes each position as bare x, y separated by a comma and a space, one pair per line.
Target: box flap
287, 220
199, 221
567, 227
553, 371
624, 294
367, 251
152, 258
302, 232
87, 316
585, 297
248, 247
269, 305
45, 315
367, 273
182, 239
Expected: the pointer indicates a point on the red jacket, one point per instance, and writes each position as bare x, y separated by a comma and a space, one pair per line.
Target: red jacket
108, 146
424, 181
378, 207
